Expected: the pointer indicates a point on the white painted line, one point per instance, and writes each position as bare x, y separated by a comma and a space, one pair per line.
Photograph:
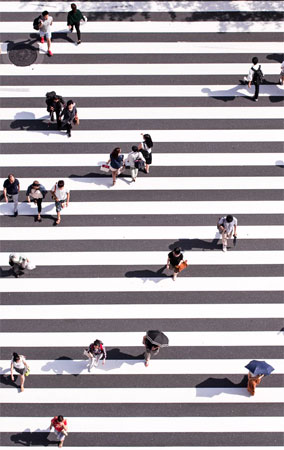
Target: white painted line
155, 311
142, 284
159, 159
140, 258
153, 424
134, 339
153, 27
142, 6
137, 69
151, 113
137, 367
115, 48
159, 183
110, 91
129, 233
149, 208
114, 136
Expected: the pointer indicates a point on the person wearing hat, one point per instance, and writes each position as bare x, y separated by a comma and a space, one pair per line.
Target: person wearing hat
36, 193
227, 225
133, 161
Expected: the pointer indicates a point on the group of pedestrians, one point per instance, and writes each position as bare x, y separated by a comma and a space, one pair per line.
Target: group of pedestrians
44, 22
140, 158
35, 193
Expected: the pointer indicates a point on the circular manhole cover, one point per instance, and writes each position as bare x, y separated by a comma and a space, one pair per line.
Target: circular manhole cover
22, 54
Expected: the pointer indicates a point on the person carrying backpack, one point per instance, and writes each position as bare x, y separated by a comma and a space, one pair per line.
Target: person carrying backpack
95, 352
255, 77
44, 23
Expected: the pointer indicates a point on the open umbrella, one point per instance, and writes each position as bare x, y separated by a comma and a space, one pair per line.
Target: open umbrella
259, 367
156, 337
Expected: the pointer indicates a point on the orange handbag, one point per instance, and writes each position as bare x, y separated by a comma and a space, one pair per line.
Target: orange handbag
182, 266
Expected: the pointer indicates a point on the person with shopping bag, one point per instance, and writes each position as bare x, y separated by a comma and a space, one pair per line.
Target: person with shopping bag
176, 262
19, 364
116, 163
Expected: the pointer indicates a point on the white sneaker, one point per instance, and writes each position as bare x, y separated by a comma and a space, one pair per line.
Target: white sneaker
224, 248
245, 79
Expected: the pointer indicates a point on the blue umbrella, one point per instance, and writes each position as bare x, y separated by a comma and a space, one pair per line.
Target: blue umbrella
259, 367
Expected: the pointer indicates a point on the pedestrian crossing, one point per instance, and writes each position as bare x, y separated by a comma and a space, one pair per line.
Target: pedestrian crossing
173, 70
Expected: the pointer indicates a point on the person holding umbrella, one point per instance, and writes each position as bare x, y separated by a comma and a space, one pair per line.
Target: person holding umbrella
153, 341
257, 370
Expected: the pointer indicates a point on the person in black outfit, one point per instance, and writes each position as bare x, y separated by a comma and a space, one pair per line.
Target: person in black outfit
175, 258
73, 20
150, 350
55, 104
68, 116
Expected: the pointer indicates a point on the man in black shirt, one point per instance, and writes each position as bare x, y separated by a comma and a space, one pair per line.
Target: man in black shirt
11, 191
55, 105
150, 350
175, 258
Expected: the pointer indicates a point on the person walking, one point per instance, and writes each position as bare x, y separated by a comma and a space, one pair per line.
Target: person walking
36, 193
61, 195
134, 160
281, 80
95, 352
175, 259
116, 163
11, 189
68, 116
73, 20
54, 103
19, 364
19, 263
255, 76
45, 23
253, 381
150, 350
227, 225
146, 149
60, 428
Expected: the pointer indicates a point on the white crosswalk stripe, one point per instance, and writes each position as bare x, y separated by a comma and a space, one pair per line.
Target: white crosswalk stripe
101, 274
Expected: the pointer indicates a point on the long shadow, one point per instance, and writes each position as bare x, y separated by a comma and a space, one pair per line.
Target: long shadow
56, 35
189, 244
220, 385
148, 274
29, 438
30, 124
77, 366
27, 42
7, 381
279, 57
4, 273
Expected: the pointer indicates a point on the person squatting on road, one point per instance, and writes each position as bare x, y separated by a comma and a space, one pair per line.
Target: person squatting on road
61, 196
11, 189
36, 193
68, 116
19, 263
95, 352
54, 103
45, 23
253, 381
73, 20
226, 226
19, 364
60, 428
255, 76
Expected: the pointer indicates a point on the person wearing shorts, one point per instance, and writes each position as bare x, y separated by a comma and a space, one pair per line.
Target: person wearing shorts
45, 24
18, 363
60, 428
61, 195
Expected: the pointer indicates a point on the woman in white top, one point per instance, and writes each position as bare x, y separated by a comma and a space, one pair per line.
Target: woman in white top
132, 159
146, 150
36, 193
18, 362
61, 195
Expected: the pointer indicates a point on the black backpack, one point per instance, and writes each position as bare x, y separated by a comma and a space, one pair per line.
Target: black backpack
257, 75
36, 23
139, 164
49, 97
